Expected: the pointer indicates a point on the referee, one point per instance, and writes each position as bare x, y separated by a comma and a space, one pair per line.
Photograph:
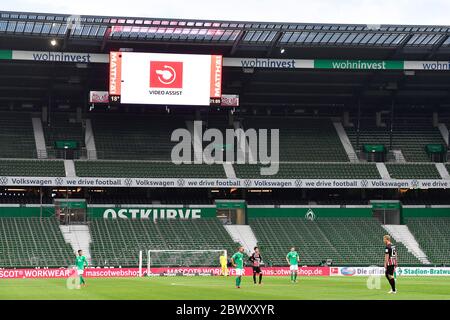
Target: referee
256, 261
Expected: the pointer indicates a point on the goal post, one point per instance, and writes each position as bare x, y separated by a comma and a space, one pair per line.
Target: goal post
179, 258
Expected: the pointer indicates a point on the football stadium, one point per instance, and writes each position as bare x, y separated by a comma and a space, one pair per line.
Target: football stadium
146, 158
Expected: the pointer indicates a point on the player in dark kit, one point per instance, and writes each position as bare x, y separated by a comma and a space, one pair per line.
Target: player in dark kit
256, 260
390, 262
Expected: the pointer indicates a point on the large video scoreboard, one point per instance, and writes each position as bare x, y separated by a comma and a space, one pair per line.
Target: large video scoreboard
165, 79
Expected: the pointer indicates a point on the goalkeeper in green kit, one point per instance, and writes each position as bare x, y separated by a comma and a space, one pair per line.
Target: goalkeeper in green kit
81, 263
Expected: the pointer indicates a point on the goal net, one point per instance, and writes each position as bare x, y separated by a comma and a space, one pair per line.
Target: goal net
178, 259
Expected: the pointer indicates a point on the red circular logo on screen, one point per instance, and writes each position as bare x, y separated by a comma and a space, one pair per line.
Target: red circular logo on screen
166, 74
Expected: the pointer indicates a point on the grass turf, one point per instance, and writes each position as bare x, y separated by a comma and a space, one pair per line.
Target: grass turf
208, 288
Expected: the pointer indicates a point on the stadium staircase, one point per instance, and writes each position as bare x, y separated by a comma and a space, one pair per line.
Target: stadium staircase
384, 173
440, 167
89, 141
39, 138
69, 167
398, 156
229, 170
346, 144
244, 235
242, 146
196, 141
444, 132
401, 233
79, 237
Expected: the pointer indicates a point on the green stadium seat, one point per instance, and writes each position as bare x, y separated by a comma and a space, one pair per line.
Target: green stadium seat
413, 171
141, 169
409, 136
32, 168
118, 242
347, 241
16, 136
302, 139
312, 171
33, 242
123, 137
433, 236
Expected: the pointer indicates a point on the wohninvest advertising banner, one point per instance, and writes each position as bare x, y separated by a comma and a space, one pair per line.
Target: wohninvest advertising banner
158, 78
350, 64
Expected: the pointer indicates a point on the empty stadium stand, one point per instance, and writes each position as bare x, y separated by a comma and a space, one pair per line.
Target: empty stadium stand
135, 137
32, 168
136, 169
16, 136
354, 241
433, 235
33, 242
117, 242
409, 136
413, 171
62, 127
302, 139
312, 171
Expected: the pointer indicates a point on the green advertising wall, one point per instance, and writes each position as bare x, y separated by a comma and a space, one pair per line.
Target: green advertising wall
301, 212
252, 212
425, 212
26, 212
98, 212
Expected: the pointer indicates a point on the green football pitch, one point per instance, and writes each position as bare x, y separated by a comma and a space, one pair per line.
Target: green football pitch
220, 288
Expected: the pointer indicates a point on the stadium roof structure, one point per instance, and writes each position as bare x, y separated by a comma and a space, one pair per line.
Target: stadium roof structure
230, 37
34, 82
